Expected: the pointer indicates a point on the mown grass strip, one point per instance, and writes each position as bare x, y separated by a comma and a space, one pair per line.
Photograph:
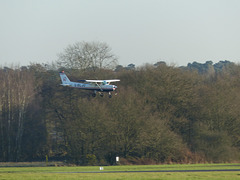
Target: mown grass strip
124, 172
121, 176
122, 168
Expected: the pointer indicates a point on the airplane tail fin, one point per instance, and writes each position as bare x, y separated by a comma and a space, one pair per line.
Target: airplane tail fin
64, 78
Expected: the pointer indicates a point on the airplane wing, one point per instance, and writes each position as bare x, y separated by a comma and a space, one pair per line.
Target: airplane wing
101, 81
112, 80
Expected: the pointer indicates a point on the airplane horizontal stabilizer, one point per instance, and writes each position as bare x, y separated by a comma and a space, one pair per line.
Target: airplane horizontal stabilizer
65, 84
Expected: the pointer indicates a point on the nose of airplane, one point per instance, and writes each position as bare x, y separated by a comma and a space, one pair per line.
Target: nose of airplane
114, 87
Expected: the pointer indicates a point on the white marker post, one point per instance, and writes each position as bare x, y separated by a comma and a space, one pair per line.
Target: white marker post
117, 160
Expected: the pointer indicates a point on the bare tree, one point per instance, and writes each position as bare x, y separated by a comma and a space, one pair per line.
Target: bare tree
85, 55
25, 93
2, 97
15, 95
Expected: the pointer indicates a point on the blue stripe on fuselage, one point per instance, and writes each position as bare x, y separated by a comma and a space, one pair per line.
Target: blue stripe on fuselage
96, 89
89, 87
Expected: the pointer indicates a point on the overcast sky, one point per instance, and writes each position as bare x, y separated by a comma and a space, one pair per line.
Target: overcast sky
138, 31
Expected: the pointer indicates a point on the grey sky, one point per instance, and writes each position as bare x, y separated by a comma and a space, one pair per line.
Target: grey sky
138, 31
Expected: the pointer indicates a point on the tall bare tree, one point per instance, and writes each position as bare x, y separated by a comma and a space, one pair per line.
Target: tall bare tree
85, 55
2, 97
16, 93
25, 93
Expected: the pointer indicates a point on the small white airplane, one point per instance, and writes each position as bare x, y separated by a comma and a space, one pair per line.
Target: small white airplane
94, 85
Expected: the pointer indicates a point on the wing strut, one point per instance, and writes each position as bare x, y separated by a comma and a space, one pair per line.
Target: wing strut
99, 87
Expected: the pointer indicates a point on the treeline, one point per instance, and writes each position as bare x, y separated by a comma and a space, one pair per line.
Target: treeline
162, 114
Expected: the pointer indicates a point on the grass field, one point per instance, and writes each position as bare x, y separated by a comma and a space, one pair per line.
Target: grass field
122, 172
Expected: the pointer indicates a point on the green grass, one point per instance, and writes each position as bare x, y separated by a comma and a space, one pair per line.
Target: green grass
74, 172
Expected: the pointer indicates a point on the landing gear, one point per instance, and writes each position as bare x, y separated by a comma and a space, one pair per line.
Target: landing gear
101, 94
116, 92
94, 94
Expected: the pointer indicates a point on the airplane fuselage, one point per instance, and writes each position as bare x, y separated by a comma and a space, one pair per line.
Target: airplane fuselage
93, 87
